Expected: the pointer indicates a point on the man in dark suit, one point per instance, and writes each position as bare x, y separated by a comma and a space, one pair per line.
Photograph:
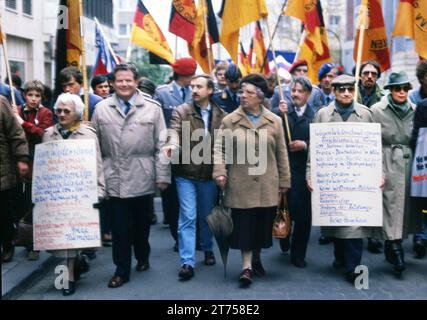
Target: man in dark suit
229, 99
171, 96
300, 115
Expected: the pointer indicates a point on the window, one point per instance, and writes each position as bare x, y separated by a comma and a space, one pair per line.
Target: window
334, 20
123, 29
27, 7
11, 4
101, 9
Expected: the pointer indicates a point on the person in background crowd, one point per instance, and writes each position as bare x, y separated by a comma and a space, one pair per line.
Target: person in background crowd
220, 79
300, 114
69, 108
197, 192
369, 90
348, 241
252, 197
419, 94
100, 86
34, 119
229, 99
14, 157
5, 92
47, 100
420, 203
170, 96
128, 126
395, 113
16, 82
322, 94
71, 80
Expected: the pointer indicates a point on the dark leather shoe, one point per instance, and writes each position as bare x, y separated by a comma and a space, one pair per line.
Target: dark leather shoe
351, 277
209, 258
399, 262
374, 246
8, 253
325, 240
142, 266
246, 277
285, 244
299, 263
186, 272
258, 269
419, 249
71, 289
116, 281
90, 253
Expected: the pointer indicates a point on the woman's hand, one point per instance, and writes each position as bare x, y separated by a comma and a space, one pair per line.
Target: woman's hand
221, 181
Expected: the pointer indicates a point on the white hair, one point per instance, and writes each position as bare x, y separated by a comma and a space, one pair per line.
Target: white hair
71, 99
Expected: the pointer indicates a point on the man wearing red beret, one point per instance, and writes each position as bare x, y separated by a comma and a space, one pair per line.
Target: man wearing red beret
170, 96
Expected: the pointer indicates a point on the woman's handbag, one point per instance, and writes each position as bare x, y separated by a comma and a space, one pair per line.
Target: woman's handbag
282, 223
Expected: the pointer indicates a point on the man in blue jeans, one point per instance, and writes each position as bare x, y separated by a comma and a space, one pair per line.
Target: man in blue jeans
193, 126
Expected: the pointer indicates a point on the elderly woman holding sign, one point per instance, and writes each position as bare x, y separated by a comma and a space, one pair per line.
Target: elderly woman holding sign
69, 109
252, 185
395, 113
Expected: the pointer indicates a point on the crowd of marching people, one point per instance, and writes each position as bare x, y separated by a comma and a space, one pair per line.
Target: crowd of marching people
127, 115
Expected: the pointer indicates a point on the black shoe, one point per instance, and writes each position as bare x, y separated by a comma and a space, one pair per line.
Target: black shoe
325, 240
81, 266
299, 263
351, 277
186, 272
374, 246
245, 277
71, 289
258, 269
91, 254
419, 249
8, 253
338, 264
209, 258
399, 262
175, 247
285, 244
142, 266
388, 251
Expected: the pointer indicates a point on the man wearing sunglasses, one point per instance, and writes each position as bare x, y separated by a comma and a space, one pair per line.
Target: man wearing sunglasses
369, 91
348, 241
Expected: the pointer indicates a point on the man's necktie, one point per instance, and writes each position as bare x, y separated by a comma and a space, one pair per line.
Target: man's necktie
183, 94
128, 105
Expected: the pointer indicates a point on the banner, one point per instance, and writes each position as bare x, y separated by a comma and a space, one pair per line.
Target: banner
346, 173
419, 167
64, 191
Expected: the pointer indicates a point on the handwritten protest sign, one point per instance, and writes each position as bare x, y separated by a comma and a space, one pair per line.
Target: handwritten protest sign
64, 191
346, 172
419, 167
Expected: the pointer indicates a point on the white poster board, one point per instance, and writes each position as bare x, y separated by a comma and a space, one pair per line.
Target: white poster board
64, 191
346, 173
419, 167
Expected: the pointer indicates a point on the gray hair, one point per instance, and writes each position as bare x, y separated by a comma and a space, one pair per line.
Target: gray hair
304, 82
71, 99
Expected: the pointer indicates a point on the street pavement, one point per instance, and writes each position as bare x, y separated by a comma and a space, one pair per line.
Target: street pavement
283, 281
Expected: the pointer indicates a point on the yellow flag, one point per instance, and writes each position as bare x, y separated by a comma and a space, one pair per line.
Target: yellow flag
74, 40
411, 21
236, 14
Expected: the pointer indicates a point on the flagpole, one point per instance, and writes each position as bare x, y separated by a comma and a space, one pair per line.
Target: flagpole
288, 132
176, 47
110, 48
6, 60
301, 42
363, 25
84, 68
274, 34
207, 38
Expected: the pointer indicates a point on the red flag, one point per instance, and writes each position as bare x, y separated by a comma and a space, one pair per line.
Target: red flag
182, 21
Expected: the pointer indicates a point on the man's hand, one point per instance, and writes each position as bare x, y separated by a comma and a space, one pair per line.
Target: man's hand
167, 151
296, 145
23, 169
221, 181
283, 106
309, 185
162, 185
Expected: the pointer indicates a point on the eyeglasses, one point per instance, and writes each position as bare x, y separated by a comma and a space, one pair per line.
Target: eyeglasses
58, 111
400, 88
343, 89
367, 73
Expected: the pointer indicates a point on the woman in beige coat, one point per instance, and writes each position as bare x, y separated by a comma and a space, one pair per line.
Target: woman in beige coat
251, 164
395, 113
69, 108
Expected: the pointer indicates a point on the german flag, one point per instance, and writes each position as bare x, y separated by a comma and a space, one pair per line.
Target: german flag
244, 62
147, 34
411, 21
258, 52
375, 46
68, 40
315, 48
198, 48
183, 18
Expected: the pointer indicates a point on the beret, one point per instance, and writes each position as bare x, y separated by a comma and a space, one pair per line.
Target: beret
233, 73
324, 70
185, 66
296, 64
257, 80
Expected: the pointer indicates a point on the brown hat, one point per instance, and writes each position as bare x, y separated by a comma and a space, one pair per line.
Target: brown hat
185, 66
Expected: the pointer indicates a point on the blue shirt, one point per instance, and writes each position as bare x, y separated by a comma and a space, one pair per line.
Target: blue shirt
122, 103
